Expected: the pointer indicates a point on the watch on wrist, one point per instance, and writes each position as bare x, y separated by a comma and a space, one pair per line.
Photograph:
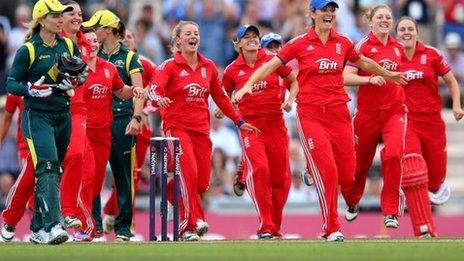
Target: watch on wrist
138, 118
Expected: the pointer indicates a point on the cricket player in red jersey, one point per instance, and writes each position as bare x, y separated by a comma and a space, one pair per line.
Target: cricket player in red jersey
142, 139
181, 87
22, 190
425, 144
266, 165
103, 81
381, 114
79, 156
322, 114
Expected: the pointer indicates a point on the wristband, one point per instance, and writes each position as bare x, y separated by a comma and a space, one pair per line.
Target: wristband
138, 118
240, 122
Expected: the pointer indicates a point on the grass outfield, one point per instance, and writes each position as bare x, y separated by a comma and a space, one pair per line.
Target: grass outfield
370, 249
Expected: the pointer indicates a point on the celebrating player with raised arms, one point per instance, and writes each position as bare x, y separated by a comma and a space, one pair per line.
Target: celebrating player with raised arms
380, 114
322, 114
424, 165
181, 87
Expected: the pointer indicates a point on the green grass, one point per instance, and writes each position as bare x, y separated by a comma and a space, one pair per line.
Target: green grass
372, 249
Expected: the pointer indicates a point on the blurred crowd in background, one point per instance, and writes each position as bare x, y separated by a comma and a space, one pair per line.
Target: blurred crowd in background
441, 24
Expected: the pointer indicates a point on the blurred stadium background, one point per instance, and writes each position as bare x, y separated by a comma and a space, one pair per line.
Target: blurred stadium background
441, 25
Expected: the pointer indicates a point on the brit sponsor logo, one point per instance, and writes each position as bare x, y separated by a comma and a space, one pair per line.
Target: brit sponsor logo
327, 65
99, 91
261, 85
195, 92
388, 64
414, 75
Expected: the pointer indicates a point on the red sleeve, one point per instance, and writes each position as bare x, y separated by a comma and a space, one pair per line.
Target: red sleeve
352, 54
440, 64
117, 81
288, 51
148, 69
221, 99
227, 81
12, 102
284, 71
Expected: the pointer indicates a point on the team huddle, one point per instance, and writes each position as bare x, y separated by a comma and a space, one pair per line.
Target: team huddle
75, 121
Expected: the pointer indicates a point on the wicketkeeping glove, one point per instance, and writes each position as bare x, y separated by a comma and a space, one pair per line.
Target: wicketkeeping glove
38, 90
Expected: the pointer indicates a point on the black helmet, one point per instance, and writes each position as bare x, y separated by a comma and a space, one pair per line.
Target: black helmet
72, 68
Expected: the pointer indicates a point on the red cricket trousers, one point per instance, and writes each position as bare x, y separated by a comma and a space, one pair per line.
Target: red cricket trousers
327, 139
195, 165
266, 167
369, 127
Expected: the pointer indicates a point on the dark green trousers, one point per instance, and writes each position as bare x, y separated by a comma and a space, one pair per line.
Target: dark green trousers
47, 135
122, 161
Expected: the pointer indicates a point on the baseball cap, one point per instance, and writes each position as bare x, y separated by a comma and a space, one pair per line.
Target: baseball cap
242, 30
320, 4
453, 40
44, 7
269, 38
103, 18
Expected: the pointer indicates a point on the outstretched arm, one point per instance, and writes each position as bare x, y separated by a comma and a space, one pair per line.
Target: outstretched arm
371, 66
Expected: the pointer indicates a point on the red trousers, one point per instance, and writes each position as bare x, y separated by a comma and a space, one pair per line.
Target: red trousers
369, 128
141, 147
195, 165
327, 139
20, 193
79, 159
266, 167
100, 143
426, 135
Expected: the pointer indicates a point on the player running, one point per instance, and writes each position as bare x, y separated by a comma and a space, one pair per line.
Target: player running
424, 165
266, 166
322, 114
381, 114
181, 87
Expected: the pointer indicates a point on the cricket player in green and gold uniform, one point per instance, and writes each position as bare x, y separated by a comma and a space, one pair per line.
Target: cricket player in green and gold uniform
46, 121
126, 118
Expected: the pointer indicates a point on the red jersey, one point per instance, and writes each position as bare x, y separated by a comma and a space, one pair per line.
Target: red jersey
14, 102
454, 12
148, 70
266, 98
189, 90
372, 97
320, 75
99, 89
422, 71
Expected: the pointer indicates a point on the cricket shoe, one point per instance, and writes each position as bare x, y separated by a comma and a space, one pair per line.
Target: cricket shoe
335, 237
442, 195
108, 223
351, 213
306, 177
391, 221
72, 222
99, 236
7, 232
202, 227
57, 235
425, 233
122, 238
39, 237
264, 236
239, 186
80, 236
189, 236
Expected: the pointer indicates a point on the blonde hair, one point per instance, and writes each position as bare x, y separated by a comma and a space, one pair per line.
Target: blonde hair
370, 13
33, 28
178, 29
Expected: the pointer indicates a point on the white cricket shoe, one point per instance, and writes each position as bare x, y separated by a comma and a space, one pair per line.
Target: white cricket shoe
442, 195
72, 222
7, 232
336, 237
57, 235
39, 237
190, 236
391, 221
351, 213
202, 227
